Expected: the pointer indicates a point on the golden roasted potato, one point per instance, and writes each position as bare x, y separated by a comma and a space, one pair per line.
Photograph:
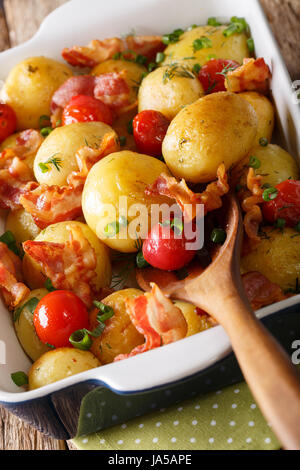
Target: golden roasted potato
23, 322
120, 335
233, 47
58, 233
133, 73
29, 88
277, 257
276, 165
219, 128
59, 364
115, 181
264, 111
168, 90
11, 142
63, 143
22, 225
195, 322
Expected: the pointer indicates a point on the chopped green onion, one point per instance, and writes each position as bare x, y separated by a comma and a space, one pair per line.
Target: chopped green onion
201, 43
50, 345
177, 225
196, 68
218, 235
45, 131
193, 26
31, 304
254, 162
44, 121
130, 126
263, 142
80, 340
116, 56
19, 378
172, 37
9, 240
151, 66
269, 194
280, 223
237, 25
160, 56
44, 168
140, 260
212, 21
250, 44
141, 59
297, 227
49, 285
112, 229
123, 140
106, 310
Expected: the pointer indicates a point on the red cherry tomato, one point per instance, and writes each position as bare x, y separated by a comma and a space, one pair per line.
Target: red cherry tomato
162, 250
149, 130
212, 75
82, 108
286, 205
8, 121
58, 315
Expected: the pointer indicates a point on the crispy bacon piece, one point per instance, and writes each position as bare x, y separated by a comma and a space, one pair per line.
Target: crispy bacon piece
99, 51
69, 265
14, 182
13, 290
157, 318
28, 143
250, 205
260, 291
166, 185
111, 88
253, 75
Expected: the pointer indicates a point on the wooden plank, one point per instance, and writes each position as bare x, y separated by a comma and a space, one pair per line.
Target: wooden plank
4, 37
25, 16
284, 18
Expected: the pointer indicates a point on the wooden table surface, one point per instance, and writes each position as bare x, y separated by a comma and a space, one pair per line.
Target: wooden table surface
19, 20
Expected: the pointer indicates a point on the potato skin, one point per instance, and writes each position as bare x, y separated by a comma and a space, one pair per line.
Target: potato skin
29, 88
120, 335
168, 96
59, 364
63, 142
25, 329
133, 77
234, 48
195, 322
276, 165
264, 111
122, 174
219, 128
22, 225
277, 257
58, 233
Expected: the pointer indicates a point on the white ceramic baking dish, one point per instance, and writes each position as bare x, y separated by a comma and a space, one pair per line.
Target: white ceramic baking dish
77, 22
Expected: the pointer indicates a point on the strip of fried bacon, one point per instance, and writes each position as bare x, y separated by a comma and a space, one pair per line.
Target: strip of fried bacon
157, 318
188, 201
260, 291
69, 265
52, 204
11, 285
250, 205
253, 75
97, 51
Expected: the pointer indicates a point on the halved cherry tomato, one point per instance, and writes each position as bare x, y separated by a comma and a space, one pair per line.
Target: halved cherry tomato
83, 108
163, 250
212, 74
286, 204
58, 315
8, 121
149, 130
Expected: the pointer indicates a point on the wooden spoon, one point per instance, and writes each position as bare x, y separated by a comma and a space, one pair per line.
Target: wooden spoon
273, 380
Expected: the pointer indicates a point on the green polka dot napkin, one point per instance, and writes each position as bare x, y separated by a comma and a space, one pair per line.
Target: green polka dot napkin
223, 420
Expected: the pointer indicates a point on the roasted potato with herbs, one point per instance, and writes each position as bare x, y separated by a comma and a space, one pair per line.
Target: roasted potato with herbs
59, 364
195, 322
120, 335
58, 233
23, 322
219, 128
22, 225
217, 45
119, 179
264, 111
277, 257
62, 144
168, 89
29, 88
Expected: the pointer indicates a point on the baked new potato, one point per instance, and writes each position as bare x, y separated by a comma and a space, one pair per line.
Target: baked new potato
22, 225
195, 322
264, 111
219, 128
29, 88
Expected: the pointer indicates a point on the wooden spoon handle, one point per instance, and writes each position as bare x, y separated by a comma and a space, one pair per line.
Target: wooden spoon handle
273, 380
